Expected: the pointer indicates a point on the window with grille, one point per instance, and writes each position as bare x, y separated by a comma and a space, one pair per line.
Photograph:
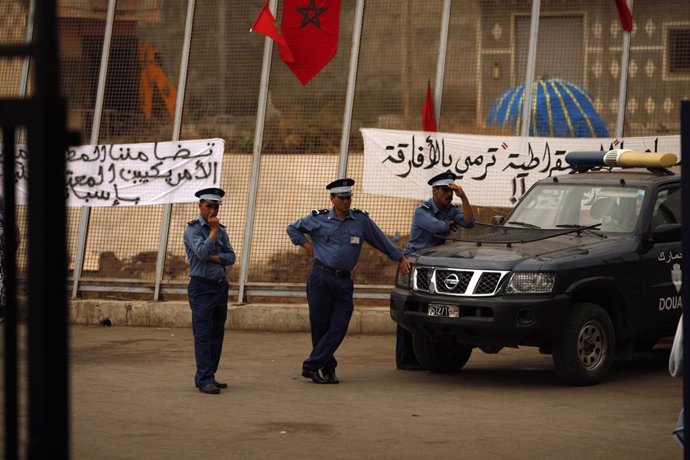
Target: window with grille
678, 51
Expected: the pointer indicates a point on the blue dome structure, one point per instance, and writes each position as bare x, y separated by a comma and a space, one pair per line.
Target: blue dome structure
559, 109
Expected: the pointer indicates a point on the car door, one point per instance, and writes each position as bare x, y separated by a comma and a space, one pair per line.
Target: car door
660, 270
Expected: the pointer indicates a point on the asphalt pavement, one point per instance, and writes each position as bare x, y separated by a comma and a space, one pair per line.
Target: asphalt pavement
133, 397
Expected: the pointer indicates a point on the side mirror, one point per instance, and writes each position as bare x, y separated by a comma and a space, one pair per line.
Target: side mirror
497, 220
666, 233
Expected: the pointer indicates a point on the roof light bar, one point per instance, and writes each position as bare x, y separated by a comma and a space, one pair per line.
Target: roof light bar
621, 157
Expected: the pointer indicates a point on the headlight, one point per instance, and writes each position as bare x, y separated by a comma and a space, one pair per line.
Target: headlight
403, 280
531, 283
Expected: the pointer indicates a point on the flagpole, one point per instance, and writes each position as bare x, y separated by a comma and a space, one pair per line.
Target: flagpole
256, 160
529, 74
623, 87
85, 215
351, 82
441, 63
177, 128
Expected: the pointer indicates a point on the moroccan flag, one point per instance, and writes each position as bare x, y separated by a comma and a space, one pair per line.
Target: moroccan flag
266, 24
428, 117
311, 28
625, 15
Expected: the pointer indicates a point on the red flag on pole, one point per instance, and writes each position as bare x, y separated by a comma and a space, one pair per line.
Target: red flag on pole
266, 24
311, 28
428, 117
625, 15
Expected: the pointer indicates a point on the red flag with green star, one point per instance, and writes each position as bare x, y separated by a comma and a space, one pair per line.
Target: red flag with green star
311, 29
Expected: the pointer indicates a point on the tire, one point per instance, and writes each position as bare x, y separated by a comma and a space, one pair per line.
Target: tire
440, 355
585, 353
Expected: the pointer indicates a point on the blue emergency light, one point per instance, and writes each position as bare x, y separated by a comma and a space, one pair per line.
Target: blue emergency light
621, 157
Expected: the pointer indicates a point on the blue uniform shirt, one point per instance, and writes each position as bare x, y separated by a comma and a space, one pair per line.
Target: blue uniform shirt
429, 220
199, 247
337, 244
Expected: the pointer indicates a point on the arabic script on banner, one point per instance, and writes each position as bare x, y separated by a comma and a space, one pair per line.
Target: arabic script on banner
132, 174
493, 170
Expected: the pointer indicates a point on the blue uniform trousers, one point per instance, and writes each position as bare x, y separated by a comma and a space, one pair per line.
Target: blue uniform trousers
404, 349
209, 304
330, 310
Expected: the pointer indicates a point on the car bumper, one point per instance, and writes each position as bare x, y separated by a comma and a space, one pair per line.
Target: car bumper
492, 321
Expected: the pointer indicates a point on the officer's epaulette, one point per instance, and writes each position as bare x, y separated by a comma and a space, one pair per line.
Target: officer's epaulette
192, 222
360, 211
426, 205
316, 212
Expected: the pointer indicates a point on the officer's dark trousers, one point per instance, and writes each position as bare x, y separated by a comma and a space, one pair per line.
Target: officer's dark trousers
209, 304
330, 310
404, 350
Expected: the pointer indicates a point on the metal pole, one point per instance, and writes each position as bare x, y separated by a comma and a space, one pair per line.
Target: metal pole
351, 86
9, 271
529, 74
441, 62
685, 288
24, 79
85, 215
256, 161
177, 127
9, 262
623, 88
48, 361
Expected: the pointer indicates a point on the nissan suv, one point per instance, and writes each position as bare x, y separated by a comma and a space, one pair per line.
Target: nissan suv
586, 267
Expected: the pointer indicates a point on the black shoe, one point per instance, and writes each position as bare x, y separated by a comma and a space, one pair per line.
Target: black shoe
314, 376
218, 384
410, 367
329, 376
209, 389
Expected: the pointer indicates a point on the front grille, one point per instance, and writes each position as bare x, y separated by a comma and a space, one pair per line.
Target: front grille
452, 281
448, 281
487, 283
422, 278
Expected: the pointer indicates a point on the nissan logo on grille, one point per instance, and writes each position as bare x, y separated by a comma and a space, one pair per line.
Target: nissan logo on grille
451, 281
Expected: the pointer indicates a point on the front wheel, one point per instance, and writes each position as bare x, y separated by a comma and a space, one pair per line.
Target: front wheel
440, 355
585, 352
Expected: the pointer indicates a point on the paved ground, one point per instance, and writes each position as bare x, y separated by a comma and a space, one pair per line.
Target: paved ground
133, 398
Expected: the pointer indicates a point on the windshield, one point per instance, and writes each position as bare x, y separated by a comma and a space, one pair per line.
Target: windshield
558, 206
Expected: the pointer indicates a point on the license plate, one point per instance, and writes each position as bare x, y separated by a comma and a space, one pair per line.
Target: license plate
450, 311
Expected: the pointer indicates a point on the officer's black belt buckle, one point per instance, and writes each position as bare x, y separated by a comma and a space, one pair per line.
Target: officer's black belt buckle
333, 271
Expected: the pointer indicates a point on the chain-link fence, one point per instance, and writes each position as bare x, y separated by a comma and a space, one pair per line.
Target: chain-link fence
482, 54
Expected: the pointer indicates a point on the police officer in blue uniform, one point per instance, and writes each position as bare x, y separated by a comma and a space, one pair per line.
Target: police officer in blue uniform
209, 251
337, 235
435, 216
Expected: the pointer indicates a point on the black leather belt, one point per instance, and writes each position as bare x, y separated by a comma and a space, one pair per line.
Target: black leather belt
333, 271
210, 282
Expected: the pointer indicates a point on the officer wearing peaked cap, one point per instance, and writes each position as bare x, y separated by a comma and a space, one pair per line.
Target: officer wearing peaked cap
444, 179
208, 251
337, 235
435, 216
213, 195
341, 187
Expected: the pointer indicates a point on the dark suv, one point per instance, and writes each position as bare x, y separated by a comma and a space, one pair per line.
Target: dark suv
587, 266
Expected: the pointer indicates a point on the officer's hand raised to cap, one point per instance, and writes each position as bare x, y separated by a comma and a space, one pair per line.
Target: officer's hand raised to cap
458, 190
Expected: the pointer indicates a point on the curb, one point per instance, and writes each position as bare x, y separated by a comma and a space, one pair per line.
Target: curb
249, 317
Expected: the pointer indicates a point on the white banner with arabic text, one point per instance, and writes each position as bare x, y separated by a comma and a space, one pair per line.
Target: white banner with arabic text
133, 174
493, 170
